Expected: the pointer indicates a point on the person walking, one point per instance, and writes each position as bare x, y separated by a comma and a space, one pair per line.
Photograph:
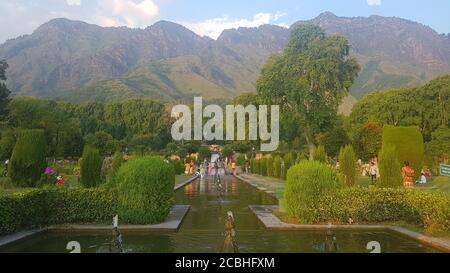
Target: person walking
373, 172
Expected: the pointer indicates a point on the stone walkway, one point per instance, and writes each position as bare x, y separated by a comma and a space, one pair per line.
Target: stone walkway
269, 185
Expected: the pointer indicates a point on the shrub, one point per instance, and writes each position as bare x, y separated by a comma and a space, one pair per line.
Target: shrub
289, 160
28, 162
178, 166
269, 163
91, 167
431, 210
300, 157
348, 168
241, 160
204, 153
145, 190
41, 207
320, 154
277, 166
390, 175
306, 183
116, 162
263, 166
408, 142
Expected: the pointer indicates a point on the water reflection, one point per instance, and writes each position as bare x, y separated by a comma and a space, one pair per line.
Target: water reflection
203, 229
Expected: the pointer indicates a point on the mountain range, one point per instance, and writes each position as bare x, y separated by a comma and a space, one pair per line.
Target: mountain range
76, 61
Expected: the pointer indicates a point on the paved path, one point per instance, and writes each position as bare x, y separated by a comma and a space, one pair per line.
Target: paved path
266, 184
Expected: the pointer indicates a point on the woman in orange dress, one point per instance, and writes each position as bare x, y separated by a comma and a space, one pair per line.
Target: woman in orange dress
408, 175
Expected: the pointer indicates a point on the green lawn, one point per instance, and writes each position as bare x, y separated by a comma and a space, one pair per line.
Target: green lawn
435, 183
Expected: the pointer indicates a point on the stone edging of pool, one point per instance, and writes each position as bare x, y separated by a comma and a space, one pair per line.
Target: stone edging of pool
272, 223
255, 185
172, 224
187, 182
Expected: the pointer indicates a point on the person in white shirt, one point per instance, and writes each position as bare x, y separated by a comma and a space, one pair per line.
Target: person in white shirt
423, 179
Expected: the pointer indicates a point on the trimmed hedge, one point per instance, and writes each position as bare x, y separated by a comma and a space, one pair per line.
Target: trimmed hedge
28, 158
347, 158
306, 183
43, 207
390, 169
145, 190
91, 167
408, 142
431, 210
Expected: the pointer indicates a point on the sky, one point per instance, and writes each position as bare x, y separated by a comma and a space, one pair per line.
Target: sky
209, 17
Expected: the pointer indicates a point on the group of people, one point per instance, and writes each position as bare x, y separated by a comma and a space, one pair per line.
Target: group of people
371, 170
208, 168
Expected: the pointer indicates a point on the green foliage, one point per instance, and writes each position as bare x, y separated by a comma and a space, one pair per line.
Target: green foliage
91, 167
117, 162
4, 91
334, 138
321, 154
306, 183
171, 148
41, 207
28, 159
367, 140
348, 165
204, 153
269, 162
145, 190
390, 168
425, 107
309, 88
63, 133
277, 166
431, 210
438, 149
227, 151
7, 142
178, 166
408, 142
289, 160
241, 160
263, 166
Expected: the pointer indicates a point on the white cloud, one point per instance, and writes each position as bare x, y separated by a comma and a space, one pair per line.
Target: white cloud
73, 2
374, 2
126, 13
215, 26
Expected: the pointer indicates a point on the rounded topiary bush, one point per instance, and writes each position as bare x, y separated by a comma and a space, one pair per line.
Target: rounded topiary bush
91, 167
306, 183
145, 190
28, 162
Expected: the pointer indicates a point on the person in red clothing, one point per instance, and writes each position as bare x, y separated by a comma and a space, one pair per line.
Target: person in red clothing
408, 175
60, 181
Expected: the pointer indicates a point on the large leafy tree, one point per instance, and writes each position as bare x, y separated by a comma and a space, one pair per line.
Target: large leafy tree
309, 79
425, 107
4, 91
